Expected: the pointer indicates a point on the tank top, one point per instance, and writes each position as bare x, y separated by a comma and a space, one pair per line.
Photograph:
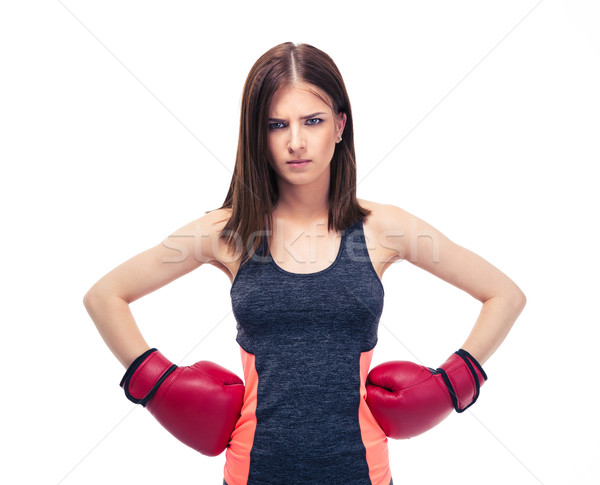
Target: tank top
306, 343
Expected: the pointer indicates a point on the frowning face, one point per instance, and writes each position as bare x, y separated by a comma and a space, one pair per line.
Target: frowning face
302, 127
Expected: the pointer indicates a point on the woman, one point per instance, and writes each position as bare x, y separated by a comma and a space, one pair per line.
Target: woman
305, 258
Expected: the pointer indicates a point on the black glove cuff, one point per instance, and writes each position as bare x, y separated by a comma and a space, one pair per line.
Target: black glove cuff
462, 353
469, 360
135, 364
131, 370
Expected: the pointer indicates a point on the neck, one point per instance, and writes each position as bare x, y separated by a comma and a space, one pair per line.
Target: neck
302, 207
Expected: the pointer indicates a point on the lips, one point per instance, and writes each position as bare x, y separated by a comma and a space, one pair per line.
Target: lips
294, 162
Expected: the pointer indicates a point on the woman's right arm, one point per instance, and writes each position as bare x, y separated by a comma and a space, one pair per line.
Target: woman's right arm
107, 301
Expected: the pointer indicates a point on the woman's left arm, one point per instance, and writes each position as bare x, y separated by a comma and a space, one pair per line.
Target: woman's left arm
424, 246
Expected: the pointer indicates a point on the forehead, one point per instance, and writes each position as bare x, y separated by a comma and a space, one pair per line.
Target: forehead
296, 99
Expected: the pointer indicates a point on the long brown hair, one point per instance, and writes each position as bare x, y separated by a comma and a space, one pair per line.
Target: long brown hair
253, 191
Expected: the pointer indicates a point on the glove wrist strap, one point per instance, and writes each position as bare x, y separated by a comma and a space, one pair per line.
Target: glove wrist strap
472, 366
145, 375
470, 360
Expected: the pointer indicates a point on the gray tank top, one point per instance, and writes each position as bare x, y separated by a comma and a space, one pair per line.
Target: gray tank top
307, 334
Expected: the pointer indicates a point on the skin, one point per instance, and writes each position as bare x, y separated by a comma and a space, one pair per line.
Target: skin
392, 234
302, 126
303, 190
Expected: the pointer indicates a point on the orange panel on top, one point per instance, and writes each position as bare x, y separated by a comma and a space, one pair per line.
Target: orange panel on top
373, 437
237, 455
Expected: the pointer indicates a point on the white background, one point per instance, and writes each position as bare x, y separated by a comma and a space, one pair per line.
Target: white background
118, 125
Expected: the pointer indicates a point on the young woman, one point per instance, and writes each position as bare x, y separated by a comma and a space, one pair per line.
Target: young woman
305, 258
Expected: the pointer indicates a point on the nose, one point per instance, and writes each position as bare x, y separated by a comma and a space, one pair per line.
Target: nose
296, 141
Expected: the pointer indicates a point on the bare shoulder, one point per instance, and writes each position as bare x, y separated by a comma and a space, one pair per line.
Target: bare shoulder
379, 212
381, 229
221, 255
393, 227
383, 217
200, 236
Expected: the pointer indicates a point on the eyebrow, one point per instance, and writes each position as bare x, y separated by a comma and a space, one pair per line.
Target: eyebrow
302, 118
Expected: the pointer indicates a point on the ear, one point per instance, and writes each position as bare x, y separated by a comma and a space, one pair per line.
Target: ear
341, 122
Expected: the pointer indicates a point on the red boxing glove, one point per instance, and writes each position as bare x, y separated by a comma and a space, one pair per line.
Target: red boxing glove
408, 399
198, 404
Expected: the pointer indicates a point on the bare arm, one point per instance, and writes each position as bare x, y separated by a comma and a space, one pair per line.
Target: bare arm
107, 301
426, 247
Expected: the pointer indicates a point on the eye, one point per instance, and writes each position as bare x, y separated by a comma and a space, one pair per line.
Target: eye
273, 126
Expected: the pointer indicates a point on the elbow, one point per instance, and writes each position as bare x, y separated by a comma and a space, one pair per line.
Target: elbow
523, 300
96, 298
91, 299
88, 299
519, 301
513, 300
